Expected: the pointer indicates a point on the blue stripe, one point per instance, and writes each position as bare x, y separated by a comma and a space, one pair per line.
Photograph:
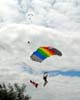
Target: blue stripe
51, 73
39, 55
71, 73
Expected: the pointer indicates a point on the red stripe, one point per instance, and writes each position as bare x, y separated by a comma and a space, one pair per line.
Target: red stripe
49, 50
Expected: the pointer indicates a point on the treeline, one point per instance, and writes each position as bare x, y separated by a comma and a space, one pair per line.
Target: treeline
13, 92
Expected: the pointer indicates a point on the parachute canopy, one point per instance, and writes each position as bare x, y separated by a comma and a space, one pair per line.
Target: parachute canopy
43, 52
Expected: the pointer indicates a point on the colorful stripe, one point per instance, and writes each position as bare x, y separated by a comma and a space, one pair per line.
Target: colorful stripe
43, 53
47, 51
39, 55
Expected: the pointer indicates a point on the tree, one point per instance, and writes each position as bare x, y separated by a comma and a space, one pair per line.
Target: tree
13, 92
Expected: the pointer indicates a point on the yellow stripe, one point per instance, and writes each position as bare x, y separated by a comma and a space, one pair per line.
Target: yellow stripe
46, 51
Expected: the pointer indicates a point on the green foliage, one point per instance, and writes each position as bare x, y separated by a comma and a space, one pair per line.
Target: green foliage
13, 92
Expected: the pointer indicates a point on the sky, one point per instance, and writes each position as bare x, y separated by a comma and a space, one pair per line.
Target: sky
53, 23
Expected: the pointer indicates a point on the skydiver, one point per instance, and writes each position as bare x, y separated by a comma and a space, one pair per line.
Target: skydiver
34, 83
45, 78
28, 42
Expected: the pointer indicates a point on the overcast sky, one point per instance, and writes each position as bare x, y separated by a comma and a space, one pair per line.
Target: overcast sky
53, 23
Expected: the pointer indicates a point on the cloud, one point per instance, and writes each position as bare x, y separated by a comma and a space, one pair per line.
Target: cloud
15, 43
51, 73
15, 54
53, 14
53, 23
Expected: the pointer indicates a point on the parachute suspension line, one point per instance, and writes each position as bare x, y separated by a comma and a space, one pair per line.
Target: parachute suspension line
25, 64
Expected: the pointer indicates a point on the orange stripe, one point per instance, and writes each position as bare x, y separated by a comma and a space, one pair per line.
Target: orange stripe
49, 52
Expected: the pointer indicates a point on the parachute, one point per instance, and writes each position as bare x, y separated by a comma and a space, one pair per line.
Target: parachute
43, 52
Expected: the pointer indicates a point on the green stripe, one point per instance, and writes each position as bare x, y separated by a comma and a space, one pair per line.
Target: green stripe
42, 52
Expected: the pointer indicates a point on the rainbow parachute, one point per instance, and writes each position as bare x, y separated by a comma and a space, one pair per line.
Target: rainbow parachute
43, 52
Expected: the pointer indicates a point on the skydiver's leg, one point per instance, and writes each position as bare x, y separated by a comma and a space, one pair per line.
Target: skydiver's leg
45, 83
45, 80
36, 85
